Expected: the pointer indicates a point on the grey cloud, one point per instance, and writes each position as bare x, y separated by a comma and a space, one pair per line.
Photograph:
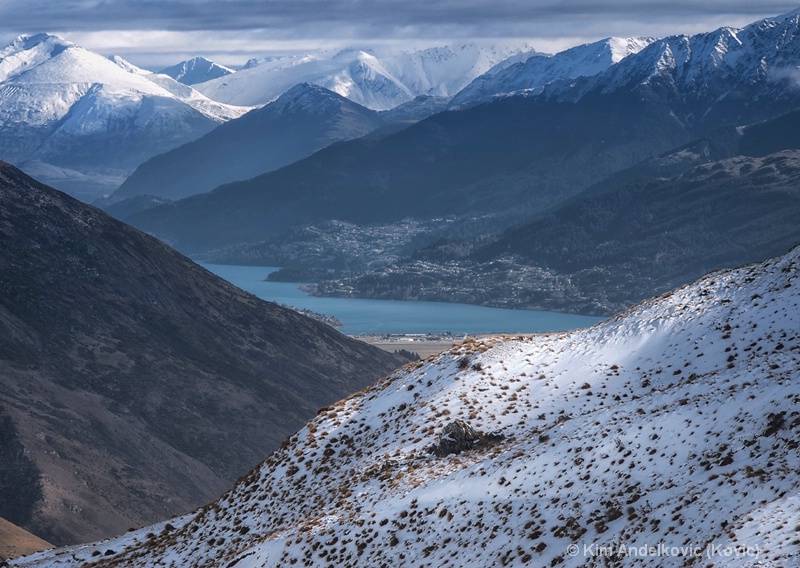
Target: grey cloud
307, 15
232, 31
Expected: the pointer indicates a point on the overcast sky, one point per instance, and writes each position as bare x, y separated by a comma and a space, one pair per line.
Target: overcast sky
156, 33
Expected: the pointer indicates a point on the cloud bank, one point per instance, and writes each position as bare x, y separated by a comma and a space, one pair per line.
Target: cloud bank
242, 28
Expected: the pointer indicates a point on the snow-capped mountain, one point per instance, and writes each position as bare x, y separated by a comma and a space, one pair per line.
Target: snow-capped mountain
301, 121
376, 81
444, 71
709, 76
69, 114
196, 70
357, 75
530, 76
666, 436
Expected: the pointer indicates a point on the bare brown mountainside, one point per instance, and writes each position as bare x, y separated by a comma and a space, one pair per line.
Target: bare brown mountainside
134, 384
15, 541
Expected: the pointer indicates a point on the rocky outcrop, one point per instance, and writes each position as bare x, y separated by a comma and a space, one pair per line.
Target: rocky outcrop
459, 436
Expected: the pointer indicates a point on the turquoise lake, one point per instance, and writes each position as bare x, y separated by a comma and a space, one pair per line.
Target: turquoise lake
362, 316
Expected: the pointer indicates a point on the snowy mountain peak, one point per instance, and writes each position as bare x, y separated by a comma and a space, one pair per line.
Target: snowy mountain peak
96, 117
26, 52
128, 66
29, 42
620, 48
308, 99
704, 69
532, 75
196, 70
283, 61
674, 424
379, 81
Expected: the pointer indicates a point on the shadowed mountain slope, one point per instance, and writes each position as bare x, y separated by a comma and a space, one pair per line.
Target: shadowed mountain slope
301, 121
513, 156
136, 384
721, 201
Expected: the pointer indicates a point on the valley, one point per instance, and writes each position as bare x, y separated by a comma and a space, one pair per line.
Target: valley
532, 309
671, 425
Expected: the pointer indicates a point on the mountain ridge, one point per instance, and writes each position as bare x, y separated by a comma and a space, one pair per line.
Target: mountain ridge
379, 81
708, 77
301, 121
533, 74
88, 121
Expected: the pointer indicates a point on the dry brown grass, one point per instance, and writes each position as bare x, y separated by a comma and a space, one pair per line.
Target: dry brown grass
15, 541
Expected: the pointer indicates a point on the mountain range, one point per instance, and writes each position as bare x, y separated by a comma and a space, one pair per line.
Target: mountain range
134, 384
727, 76
257, 144
101, 117
719, 201
533, 74
375, 80
666, 436
83, 122
527, 153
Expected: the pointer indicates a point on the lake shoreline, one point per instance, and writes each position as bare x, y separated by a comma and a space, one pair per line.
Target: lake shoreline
426, 344
375, 317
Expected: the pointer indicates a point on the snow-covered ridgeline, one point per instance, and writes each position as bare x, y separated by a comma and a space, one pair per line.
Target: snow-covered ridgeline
666, 433
196, 70
37, 65
75, 114
379, 81
712, 66
533, 74
722, 63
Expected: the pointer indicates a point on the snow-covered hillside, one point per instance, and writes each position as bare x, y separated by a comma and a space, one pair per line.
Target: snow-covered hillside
379, 81
666, 436
531, 75
69, 112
